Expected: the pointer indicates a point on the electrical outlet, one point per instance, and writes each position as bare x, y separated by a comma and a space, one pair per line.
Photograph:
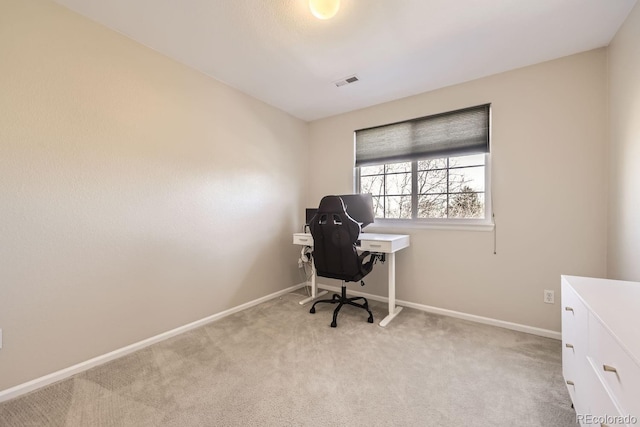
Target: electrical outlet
549, 297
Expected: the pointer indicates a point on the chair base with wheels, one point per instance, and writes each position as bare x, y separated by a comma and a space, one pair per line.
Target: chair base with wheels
343, 300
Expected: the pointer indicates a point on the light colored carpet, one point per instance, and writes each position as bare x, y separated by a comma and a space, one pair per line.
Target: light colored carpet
277, 365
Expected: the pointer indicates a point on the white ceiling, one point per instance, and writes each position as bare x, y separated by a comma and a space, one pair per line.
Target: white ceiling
276, 51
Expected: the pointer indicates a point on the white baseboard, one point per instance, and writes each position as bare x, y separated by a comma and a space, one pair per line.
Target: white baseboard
37, 383
457, 314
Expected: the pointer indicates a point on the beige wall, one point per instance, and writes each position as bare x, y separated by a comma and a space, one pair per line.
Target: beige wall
624, 121
549, 187
136, 195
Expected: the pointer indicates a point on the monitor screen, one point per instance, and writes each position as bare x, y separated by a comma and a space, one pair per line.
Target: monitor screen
359, 207
309, 214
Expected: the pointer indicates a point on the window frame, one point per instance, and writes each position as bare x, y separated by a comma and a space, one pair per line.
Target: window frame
475, 224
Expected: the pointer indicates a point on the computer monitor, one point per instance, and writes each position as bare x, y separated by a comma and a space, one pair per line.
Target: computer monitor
309, 214
360, 208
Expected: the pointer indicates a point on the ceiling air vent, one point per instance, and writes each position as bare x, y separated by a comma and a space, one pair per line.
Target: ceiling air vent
346, 80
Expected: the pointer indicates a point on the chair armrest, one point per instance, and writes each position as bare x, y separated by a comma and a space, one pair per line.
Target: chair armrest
366, 267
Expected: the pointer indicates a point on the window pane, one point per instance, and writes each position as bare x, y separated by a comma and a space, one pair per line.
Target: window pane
398, 183
398, 207
472, 160
446, 188
372, 184
398, 167
466, 179
466, 205
432, 206
372, 170
434, 181
432, 164
378, 207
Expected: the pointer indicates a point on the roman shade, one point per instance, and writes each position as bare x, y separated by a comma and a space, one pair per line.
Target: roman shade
457, 132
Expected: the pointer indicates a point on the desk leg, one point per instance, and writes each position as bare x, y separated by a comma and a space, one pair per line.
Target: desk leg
393, 310
314, 287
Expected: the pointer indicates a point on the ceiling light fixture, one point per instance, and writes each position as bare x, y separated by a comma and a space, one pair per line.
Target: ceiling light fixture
324, 9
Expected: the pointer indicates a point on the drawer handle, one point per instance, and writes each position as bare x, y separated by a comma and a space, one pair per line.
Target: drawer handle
375, 246
608, 368
569, 345
570, 383
303, 240
569, 309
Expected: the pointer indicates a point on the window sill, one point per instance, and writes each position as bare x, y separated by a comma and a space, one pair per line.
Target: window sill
380, 224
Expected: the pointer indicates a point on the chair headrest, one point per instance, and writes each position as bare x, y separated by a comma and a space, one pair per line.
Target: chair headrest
331, 204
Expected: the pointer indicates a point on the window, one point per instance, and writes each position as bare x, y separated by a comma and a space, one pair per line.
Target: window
432, 169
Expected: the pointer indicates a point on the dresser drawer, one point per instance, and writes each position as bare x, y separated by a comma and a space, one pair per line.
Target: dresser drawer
569, 363
574, 315
570, 368
602, 410
619, 372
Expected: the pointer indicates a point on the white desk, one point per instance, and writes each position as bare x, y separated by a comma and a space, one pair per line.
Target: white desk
387, 244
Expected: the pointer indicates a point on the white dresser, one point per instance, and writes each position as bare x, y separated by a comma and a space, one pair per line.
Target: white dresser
601, 349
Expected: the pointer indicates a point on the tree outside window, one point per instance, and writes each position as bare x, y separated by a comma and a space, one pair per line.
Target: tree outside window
450, 187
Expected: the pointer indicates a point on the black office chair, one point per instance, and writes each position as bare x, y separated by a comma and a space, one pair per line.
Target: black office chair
334, 252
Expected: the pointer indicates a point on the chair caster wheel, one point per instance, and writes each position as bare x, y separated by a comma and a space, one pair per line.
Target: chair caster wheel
313, 310
334, 324
370, 319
